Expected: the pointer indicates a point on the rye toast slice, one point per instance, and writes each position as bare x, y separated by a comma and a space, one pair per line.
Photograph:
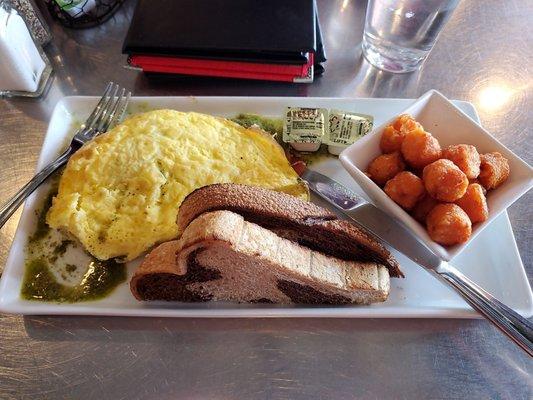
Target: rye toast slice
291, 218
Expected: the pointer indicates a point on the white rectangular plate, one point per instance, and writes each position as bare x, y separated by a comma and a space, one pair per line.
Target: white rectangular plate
491, 259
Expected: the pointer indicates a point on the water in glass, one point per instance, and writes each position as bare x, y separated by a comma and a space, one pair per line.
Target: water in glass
400, 33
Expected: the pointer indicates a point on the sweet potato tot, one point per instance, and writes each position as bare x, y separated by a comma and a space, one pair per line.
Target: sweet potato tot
444, 181
420, 148
466, 157
406, 189
385, 167
479, 183
494, 170
401, 121
423, 207
411, 125
393, 135
391, 140
448, 224
474, 203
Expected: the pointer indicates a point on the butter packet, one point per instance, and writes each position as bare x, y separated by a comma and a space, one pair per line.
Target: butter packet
345, 128
304, 128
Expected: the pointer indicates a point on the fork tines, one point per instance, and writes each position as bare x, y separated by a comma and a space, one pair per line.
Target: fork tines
110, 109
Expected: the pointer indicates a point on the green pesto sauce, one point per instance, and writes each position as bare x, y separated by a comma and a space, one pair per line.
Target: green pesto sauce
99, 280
45, 248
274, 126
271, 125
42, 229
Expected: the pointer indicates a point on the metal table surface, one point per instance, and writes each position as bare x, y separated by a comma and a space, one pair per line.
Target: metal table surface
483, 55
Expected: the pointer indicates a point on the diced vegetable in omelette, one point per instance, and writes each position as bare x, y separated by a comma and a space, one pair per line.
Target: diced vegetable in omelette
120, 193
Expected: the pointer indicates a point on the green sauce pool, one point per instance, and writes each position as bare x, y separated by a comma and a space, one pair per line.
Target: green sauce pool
99, 280
94, 279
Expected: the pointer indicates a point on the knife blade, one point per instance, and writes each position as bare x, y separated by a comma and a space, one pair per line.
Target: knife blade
371, 218
399, 237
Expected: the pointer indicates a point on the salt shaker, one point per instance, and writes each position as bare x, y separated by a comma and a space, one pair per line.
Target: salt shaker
24, 68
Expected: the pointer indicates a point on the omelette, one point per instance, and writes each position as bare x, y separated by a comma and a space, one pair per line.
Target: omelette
119, 194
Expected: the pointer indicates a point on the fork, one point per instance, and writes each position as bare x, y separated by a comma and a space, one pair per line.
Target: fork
109, 110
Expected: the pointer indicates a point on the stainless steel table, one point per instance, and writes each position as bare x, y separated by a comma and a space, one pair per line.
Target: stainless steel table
484, 56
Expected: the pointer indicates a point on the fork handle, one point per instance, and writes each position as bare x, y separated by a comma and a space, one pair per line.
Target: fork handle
11, 206
518, 328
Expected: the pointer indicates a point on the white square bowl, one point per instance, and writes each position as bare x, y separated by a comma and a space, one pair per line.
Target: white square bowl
450, 126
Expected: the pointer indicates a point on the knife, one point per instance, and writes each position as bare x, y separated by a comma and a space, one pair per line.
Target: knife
397, 236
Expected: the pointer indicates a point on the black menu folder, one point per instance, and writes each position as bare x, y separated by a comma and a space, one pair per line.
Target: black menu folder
255, 39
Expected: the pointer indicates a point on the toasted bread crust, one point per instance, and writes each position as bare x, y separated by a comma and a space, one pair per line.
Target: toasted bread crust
249, 199
291, 218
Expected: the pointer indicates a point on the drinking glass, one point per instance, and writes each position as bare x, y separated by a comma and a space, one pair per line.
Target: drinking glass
399, 34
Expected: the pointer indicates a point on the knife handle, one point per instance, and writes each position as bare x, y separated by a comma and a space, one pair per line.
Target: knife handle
519, 329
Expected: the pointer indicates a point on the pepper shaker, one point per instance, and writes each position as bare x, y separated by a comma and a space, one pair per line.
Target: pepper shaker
34, 20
